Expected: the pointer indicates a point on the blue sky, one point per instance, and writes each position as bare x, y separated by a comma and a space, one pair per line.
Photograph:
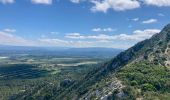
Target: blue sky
81, 23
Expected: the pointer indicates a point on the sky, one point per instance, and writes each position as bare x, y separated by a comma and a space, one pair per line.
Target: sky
81, 23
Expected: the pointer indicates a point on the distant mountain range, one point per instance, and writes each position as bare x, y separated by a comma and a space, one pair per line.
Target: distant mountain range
60, 51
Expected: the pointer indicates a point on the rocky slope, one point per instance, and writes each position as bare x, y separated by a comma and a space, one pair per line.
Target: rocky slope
155, 50
107, 82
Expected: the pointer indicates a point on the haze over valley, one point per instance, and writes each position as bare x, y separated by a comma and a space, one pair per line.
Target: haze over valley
84, 49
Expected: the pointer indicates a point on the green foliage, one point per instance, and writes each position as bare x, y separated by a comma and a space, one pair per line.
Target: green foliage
36, 79
146, 77
148, 87
134, 83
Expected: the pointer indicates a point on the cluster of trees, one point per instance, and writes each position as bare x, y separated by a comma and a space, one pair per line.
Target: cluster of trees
146, 80
52, 86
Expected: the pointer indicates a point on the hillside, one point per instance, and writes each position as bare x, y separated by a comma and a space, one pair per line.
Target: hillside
141, 72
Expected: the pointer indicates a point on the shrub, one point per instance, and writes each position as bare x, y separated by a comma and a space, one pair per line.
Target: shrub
148, 87
133, 83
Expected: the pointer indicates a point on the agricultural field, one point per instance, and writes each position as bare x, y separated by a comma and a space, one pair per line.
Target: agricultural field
19, 73
25, 69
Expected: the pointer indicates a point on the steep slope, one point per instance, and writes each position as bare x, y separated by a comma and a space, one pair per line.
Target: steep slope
144, 80
155, 50
96, 84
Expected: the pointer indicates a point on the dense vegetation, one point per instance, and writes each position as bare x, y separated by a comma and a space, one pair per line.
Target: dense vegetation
21, 71
146, 80
27, 75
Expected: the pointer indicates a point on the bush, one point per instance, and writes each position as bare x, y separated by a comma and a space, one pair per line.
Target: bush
146, 77
133, 83
148, 87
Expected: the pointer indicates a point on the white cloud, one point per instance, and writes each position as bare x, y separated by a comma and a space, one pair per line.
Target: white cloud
53, 41
97, 30
64, 43
7, 38
137, 35
116, 41
144, 34
159, 3
80, 43
103, 30
74, 36
7, 1
78, 40
135, 19
149, 21
75, 1
48, 2
9, 30
160, 14
117, 5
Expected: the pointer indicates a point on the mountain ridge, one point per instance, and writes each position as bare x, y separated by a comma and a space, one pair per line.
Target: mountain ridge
155, 51
136, 53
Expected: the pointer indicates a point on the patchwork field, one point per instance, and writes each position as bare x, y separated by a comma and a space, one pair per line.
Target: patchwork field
20, 73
